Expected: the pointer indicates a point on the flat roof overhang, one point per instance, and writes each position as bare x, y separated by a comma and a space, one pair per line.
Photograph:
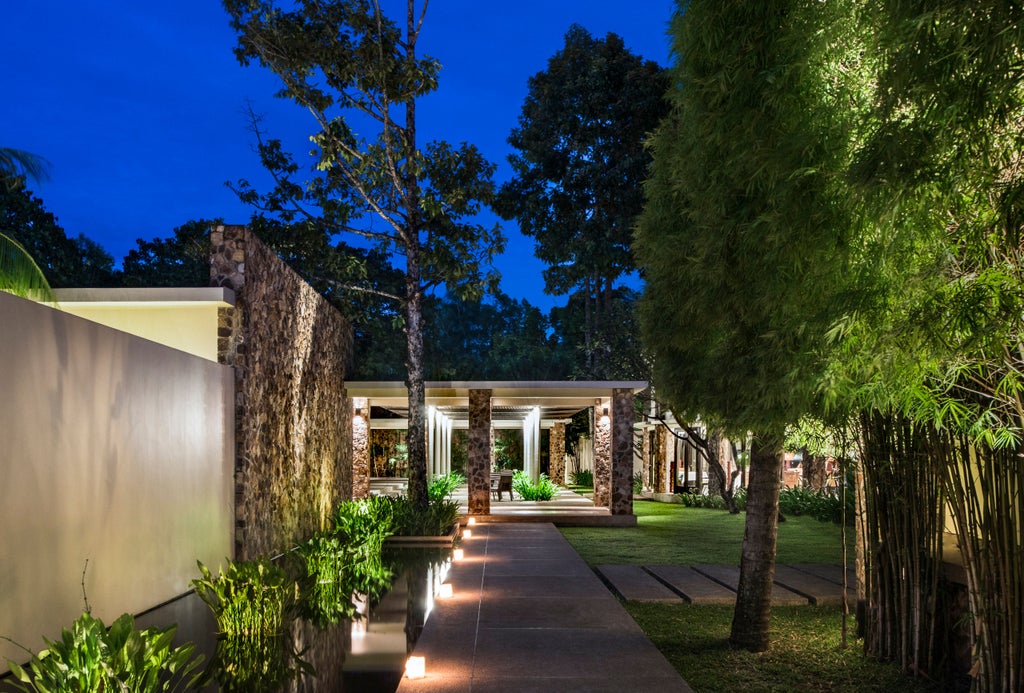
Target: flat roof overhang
510, 400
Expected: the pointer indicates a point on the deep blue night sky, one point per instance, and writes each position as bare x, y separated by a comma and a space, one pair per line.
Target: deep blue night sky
138, 106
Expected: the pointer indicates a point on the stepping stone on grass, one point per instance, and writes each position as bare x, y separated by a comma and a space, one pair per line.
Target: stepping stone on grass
696, 588
817, 589
830, 572
730, 577
635, 585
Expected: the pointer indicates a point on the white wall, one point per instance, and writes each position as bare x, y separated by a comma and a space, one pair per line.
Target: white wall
115, 450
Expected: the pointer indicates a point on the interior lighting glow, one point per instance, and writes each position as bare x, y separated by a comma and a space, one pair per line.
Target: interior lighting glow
416, 668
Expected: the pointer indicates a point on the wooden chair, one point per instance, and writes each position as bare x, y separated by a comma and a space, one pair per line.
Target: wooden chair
502, 482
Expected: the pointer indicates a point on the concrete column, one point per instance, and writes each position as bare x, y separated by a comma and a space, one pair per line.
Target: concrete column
556, 451
478, 469
602, 454
622, 452
447, 445
431, 457
531, 444
360, 447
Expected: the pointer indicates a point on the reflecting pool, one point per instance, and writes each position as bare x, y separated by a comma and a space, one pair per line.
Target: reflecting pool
357, 644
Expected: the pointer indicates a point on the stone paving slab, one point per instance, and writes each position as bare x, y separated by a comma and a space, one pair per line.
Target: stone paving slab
830, 572
543, 627
634, 584
818, 590
513, 627
695, 587
730, 577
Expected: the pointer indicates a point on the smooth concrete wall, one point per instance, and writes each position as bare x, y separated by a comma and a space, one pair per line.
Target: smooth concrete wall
115, 450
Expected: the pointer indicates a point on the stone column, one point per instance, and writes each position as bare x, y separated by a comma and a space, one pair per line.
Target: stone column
360, 447
622, 452
556, 450
602, 455
660, 462
478, 468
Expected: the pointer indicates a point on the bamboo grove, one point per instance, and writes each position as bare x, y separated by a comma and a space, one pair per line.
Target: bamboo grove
912, 176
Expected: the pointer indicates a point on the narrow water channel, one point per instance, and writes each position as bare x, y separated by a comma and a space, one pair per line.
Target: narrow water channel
364, 654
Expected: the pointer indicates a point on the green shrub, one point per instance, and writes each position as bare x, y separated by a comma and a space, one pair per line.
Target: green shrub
543, 490
638, 484
363, 525
408, 521
584, 477
91, 657
826, 506
250, 598
700, 500
441, 487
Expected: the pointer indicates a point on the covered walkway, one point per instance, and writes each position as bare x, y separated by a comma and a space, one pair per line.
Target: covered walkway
528, 614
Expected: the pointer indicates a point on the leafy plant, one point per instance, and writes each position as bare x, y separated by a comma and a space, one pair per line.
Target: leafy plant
543, 490
260, 664
250, 598
826, 506
91, 657
715, 501
582, 477
335, 569
441, 487
437, 520
638, 484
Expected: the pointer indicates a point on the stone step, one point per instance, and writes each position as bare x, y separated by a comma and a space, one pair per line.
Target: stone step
730, 577
830, 572
696, 588
817, 589
635, 585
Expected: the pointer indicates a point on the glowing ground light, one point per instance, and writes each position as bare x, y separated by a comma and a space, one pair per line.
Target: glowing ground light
471, 521
416, 668
446, 591
458, 554
467, 533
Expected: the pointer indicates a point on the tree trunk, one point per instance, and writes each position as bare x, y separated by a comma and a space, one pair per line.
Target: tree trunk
752, 614
417, 432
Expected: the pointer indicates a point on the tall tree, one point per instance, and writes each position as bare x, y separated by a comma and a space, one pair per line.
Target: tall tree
66, 262
742, 236
579, 166
356, 71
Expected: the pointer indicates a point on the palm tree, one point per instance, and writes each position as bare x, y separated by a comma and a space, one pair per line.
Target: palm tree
19, 273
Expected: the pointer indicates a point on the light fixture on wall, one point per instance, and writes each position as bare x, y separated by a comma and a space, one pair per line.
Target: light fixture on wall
604, 412
359, 412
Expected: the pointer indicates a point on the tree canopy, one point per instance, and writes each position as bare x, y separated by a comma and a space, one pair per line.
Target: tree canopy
578, 168
358, 73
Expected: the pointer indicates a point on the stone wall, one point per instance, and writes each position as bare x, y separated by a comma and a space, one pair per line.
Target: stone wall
290, 350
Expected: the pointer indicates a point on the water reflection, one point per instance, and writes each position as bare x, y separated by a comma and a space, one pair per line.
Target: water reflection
341, 640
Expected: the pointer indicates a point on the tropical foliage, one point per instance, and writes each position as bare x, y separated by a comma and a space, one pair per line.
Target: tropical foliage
544, 489
89, 657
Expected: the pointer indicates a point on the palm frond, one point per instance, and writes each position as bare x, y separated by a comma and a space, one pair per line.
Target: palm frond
19, 273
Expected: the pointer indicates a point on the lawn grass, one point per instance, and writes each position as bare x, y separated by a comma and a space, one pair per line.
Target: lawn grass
805, 654
675, 534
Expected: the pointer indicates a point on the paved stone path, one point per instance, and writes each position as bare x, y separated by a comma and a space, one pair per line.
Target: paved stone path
799, 583
529, 615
